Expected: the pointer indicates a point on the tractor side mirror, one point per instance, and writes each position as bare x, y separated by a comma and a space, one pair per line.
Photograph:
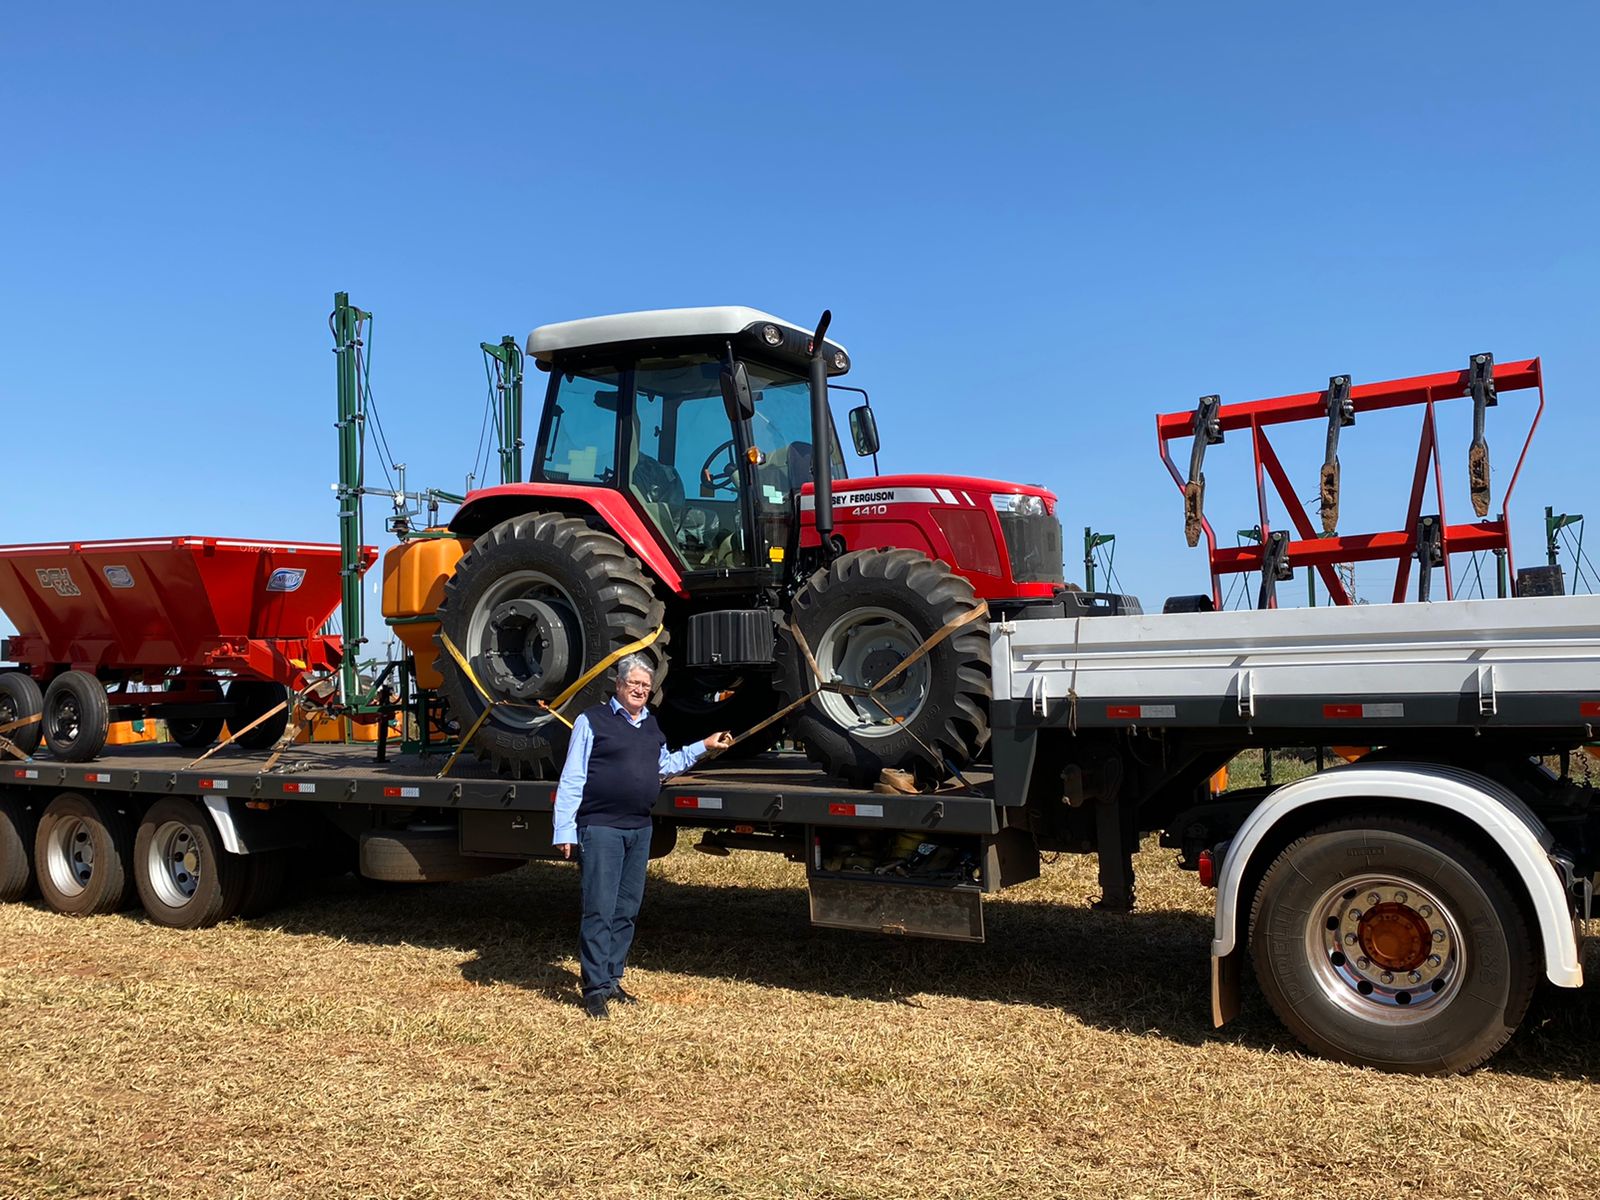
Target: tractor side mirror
864, 430
736, 397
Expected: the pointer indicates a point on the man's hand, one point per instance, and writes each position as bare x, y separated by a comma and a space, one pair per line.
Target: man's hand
566, 849
718, 742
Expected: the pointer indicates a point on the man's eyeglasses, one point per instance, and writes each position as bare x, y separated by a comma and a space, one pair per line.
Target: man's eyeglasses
636, 687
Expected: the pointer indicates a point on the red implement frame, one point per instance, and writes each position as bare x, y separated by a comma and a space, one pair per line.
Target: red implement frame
146, 607
1324, 552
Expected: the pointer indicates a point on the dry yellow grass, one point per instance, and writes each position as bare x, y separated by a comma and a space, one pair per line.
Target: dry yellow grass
394, 1043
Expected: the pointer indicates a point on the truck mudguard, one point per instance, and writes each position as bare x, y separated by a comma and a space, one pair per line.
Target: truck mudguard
1464, 795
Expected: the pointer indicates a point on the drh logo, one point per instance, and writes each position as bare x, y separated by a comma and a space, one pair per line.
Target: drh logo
59, 580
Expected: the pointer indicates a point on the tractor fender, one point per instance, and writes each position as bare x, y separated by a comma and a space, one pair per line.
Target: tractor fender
1489, 807
487, 507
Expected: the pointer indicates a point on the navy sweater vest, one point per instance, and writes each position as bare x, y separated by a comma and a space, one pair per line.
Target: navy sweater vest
624, 770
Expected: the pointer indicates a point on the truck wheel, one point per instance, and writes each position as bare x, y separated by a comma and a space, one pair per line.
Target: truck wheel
20, 697
427, 855
82, 854
266, 880
77, 716
1387, 943
186, 879
862, 616
536, 601
16, 850
196, 733
250, 698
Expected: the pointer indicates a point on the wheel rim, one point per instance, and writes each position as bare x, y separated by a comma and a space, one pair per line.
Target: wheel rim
65, 721
860, 648
175, 863
527, 643
69, 855
1386, 949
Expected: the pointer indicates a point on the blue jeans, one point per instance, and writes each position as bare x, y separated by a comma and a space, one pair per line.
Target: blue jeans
613, 863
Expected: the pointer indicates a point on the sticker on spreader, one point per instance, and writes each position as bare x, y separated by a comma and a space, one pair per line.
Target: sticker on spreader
1141, 712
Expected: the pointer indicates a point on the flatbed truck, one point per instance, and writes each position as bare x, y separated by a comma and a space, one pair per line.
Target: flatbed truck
1398, 910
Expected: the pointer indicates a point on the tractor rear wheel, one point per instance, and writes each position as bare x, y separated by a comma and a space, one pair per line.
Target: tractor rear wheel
863, 616
536, 602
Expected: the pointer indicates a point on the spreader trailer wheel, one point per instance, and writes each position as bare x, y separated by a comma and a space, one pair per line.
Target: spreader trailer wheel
1390, 943
77, 716
20, 698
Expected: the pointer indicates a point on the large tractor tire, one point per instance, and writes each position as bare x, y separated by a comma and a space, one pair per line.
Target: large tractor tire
535, 603
862, 616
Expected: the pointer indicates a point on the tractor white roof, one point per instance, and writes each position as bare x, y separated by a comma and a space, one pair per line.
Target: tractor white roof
548, 340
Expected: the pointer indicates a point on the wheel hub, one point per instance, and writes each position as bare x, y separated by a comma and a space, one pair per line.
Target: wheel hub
69, 856
175, 863
1386, 948
529, 649
862, 648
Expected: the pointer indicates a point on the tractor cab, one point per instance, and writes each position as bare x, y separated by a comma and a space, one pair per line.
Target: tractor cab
643, 404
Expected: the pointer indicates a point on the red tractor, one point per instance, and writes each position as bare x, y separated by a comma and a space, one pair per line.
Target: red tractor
676, 484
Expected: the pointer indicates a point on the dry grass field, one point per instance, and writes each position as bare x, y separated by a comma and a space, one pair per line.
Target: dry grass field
426, 1043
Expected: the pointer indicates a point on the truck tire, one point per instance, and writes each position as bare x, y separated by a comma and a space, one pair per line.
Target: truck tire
16, 850
77, 716
186, 880
427, 855
266, 881
83, 856
1388, 943
20, 697
538, 600
863, 615
249, 699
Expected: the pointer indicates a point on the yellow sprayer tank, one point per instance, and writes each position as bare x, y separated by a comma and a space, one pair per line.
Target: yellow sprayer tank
414, 574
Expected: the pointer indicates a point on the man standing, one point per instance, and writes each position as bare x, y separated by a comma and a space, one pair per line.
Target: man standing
615, 764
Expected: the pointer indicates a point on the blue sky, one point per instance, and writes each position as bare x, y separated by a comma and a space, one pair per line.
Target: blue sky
1037, 227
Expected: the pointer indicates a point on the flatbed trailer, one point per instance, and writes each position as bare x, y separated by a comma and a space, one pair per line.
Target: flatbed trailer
1398, 910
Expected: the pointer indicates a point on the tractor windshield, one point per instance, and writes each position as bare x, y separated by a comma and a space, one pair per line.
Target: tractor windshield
781, 431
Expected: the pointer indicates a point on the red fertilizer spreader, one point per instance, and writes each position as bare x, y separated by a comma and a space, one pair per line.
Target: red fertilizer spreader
156, 627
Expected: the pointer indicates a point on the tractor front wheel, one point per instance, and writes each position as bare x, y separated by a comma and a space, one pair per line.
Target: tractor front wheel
862, 617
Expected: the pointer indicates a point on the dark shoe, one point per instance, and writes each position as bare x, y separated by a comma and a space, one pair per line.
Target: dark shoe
618, 996
596, 1007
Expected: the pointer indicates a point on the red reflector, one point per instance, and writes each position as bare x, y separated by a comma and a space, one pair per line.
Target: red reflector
841, 810
388, 791
291, 787
744, 828
1122, 712
1341, 710
1207, 869
686, 802
1590, 709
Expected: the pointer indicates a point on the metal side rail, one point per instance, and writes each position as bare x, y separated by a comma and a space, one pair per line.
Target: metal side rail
1528, 663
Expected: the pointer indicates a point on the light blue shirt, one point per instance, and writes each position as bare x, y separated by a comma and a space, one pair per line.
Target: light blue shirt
569, 792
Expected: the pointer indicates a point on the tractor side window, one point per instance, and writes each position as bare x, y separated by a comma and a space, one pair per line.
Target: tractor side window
580, 442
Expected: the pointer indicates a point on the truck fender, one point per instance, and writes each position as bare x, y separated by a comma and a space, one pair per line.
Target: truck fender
245, 832
1464, 795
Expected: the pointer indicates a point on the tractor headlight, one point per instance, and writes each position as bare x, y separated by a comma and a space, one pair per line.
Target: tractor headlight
771, 335
840, 362
1018, 505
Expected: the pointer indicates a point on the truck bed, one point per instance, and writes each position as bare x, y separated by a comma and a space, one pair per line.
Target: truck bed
1520, 664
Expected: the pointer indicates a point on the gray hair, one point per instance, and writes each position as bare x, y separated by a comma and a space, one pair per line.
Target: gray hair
635, 662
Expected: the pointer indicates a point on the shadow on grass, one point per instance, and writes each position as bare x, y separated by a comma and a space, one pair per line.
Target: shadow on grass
1146, 974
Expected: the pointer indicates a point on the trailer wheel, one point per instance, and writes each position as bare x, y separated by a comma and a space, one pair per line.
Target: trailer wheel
196, 733
538, 599
250, 698
424, 855
82, 855
1388, 943
77, 716
19, 698
16, 850
186, 879
862, 616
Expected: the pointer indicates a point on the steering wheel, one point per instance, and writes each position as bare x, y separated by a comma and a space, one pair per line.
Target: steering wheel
723, 478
